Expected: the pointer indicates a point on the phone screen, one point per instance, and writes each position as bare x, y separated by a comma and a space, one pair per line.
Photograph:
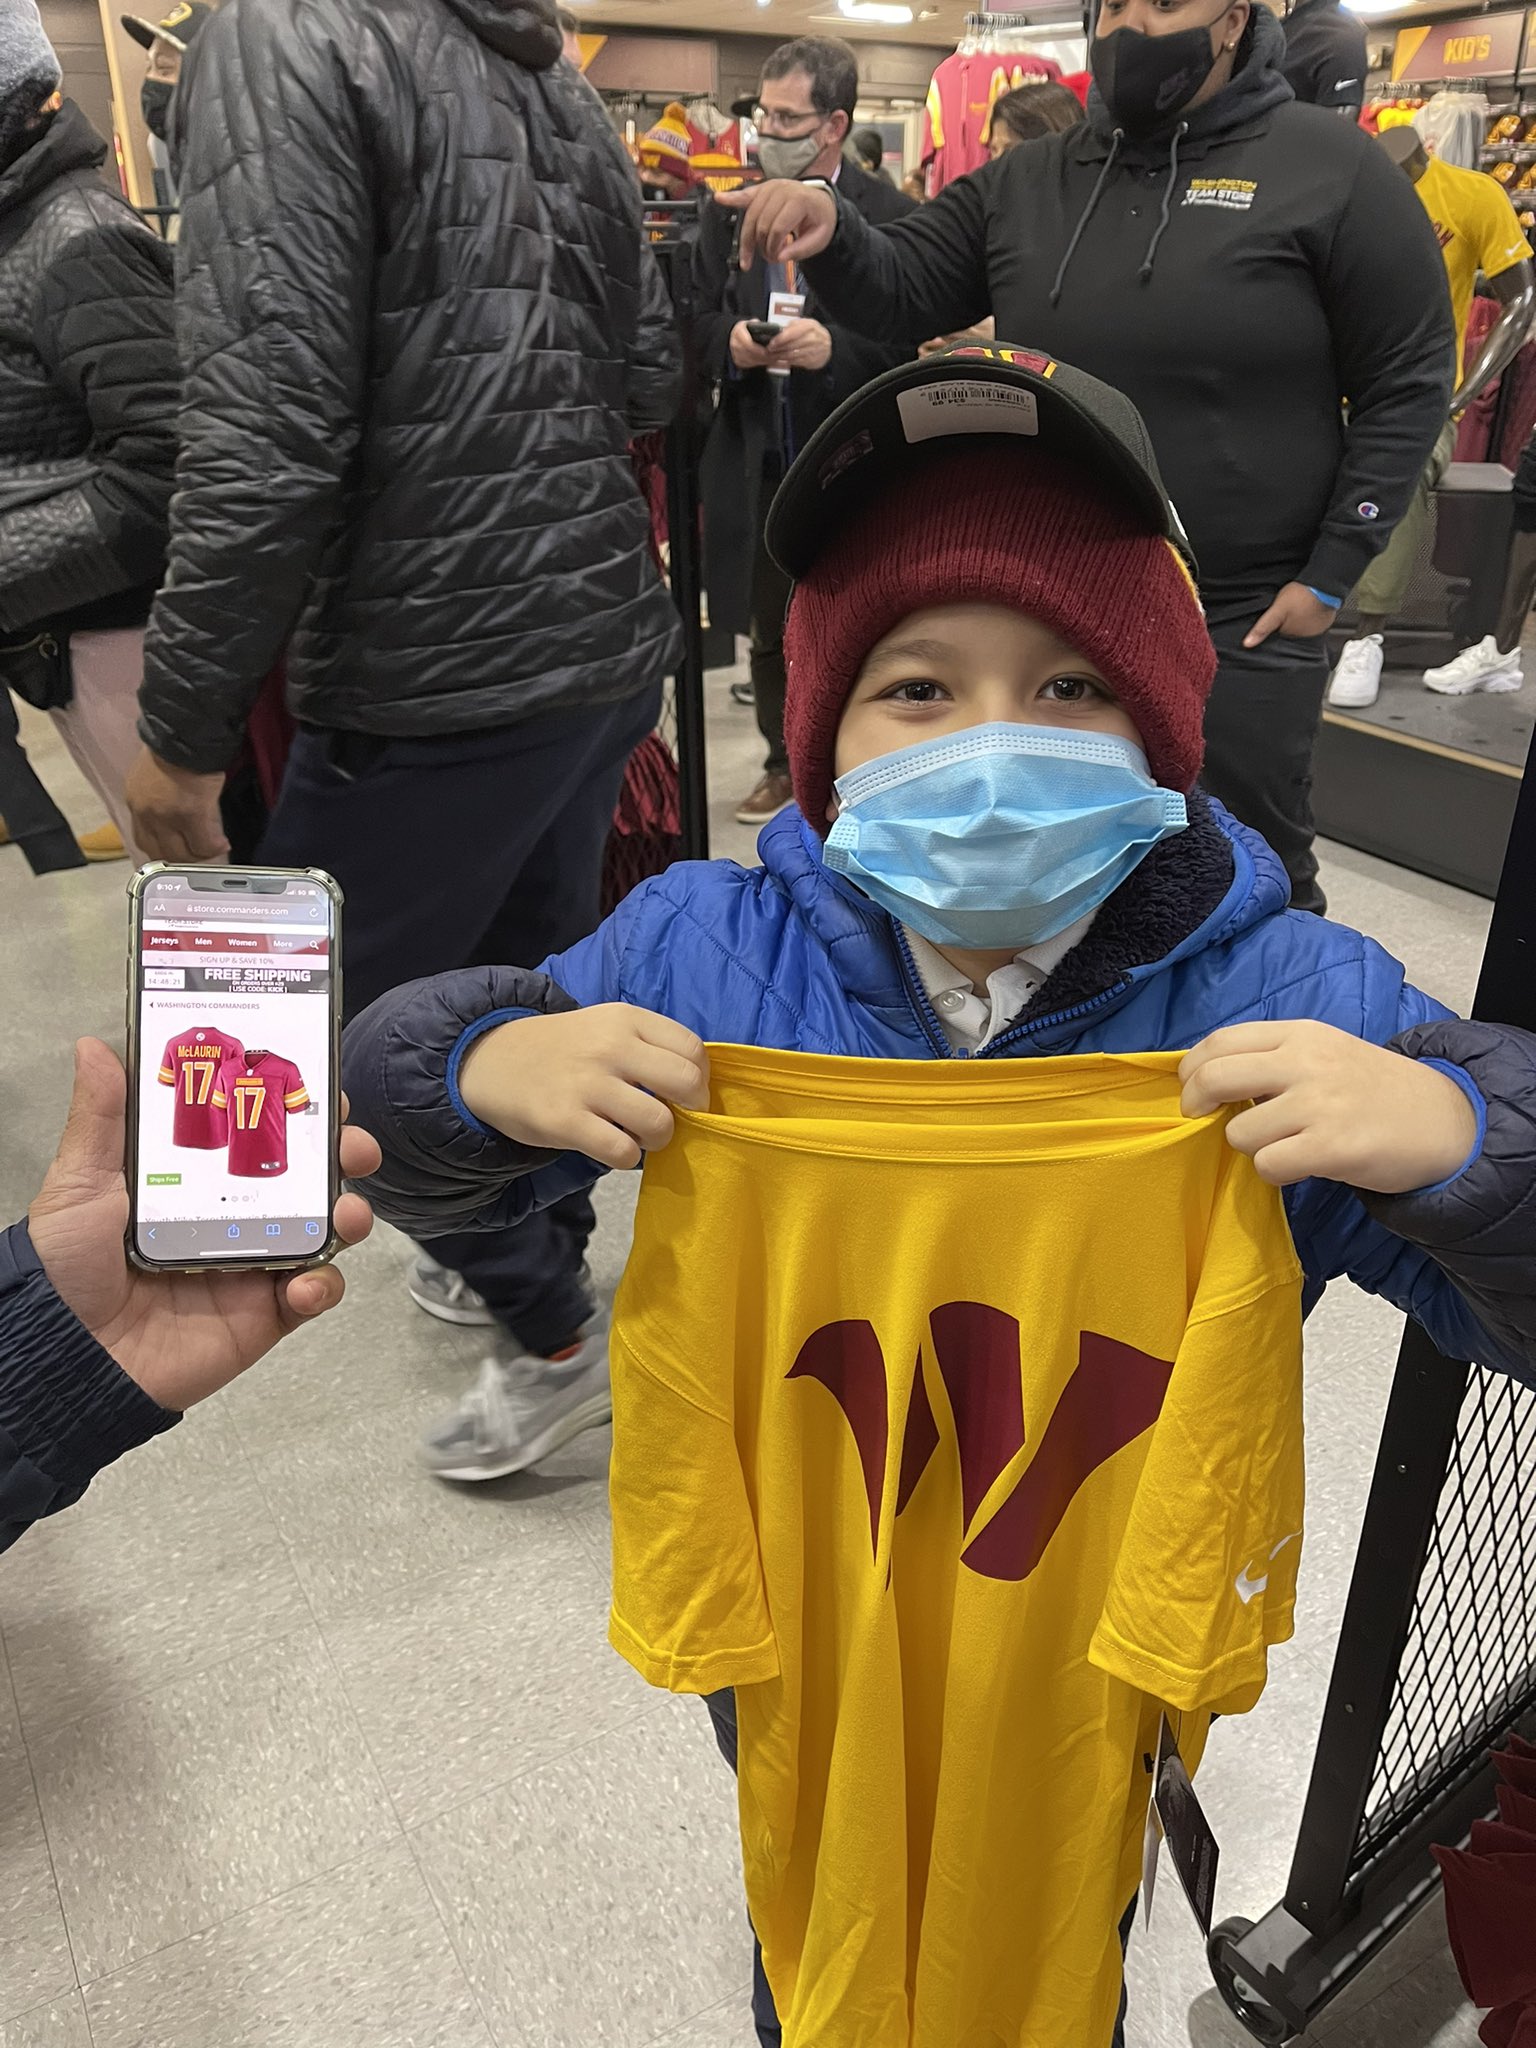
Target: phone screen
234, 1125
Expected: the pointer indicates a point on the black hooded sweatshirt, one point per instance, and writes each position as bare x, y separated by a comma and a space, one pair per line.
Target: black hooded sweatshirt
1239, 274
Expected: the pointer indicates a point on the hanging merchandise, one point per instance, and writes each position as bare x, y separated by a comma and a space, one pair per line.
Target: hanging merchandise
1490, 1901
691, 146
707, 121
716, 158
988, 61
961, 1513
1454, 124
1389, 109
665, 147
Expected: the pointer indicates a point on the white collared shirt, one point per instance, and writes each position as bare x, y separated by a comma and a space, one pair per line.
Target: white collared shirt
971, 1020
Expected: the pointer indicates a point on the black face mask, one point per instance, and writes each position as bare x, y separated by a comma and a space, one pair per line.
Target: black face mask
155, 96
1146, 80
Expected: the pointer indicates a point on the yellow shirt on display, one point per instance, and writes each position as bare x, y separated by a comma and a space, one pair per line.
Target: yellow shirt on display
957, 1424
1477, 229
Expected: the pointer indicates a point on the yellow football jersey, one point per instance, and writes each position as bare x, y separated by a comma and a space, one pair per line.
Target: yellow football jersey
957, 1424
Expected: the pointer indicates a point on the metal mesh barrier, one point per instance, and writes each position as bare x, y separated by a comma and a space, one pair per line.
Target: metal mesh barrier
1436, 1660
1468, 1668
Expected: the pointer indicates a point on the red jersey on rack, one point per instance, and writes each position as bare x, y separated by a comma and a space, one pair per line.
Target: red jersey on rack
961, 96
262, 1090
191, 1066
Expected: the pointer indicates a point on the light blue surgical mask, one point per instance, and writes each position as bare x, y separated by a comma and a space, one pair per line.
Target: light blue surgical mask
1001, 836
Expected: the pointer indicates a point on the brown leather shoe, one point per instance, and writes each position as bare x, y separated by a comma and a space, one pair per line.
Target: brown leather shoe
772, 795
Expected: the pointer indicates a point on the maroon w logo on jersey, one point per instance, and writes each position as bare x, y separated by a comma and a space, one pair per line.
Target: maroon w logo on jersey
1114, 1394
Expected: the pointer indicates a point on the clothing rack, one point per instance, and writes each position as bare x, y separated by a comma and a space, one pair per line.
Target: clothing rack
1423, 90
1006, 32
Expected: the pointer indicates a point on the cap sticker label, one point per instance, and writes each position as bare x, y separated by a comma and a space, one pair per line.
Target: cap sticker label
930, 411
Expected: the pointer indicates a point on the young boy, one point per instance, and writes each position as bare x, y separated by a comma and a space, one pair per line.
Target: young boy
991, 606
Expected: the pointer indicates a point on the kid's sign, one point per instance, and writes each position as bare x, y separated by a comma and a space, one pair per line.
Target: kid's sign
1471, 46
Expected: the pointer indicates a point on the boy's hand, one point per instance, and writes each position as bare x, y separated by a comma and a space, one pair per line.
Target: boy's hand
596, 1081
1331, 1105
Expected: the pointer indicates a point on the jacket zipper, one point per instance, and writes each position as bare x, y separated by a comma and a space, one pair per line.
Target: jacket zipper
917, 995
928, 1017
1021, 1031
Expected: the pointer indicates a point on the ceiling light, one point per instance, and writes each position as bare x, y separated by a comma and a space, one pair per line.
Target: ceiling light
1373, 6
883, 11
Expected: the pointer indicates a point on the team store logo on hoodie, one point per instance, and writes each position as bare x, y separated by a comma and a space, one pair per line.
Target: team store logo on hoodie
1233, 195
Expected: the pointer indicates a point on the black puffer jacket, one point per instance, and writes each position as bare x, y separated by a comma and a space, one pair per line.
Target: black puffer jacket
412, 316
88, 389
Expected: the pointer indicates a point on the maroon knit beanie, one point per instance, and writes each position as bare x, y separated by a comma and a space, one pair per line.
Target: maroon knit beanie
983, 526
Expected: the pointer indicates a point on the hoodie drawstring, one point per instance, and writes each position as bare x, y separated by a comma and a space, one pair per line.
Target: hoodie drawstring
1162, 225
1088, 213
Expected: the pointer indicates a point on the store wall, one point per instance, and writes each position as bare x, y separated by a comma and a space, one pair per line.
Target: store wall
74, 28
887, 71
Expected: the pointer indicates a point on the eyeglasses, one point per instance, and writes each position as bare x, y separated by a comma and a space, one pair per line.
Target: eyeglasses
788, 127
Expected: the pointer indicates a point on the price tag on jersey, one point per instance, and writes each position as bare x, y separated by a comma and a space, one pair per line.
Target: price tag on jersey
1185, 1829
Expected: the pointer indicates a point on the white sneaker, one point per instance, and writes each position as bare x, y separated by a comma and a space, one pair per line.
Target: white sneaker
521, 1408
1477, 668
1357, 674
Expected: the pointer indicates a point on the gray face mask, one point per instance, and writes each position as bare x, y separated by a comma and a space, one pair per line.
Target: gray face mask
780, 159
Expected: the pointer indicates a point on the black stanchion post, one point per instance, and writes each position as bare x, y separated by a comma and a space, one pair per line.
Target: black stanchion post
683, 530
669, 226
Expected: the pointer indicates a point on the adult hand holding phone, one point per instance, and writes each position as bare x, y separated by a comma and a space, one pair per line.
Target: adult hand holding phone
747, 352
181, 1336
800, 345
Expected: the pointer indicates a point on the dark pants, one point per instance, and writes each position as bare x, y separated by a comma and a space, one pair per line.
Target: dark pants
722, 1712
770, 601
1260, 728
474, 849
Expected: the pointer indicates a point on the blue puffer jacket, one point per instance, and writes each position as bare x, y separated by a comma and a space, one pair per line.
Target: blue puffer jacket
791, 956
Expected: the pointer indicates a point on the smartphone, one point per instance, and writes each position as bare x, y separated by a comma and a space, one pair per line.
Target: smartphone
762, 331
234, 1056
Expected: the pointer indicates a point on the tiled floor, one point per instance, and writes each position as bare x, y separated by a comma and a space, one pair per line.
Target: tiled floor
298, 1750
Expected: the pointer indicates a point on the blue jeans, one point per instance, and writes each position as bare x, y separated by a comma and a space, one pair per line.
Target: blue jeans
722, 1711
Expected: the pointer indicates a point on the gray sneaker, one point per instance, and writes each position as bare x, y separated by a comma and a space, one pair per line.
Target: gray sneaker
448, 1296
521, 1408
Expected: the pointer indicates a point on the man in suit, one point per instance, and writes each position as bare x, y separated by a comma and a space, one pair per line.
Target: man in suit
772, 398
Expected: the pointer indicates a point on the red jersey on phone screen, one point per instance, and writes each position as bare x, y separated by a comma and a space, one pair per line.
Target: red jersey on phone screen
191, 1066
262, 1090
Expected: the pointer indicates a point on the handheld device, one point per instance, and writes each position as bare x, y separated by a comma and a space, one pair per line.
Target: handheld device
234, 1013
763, 331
